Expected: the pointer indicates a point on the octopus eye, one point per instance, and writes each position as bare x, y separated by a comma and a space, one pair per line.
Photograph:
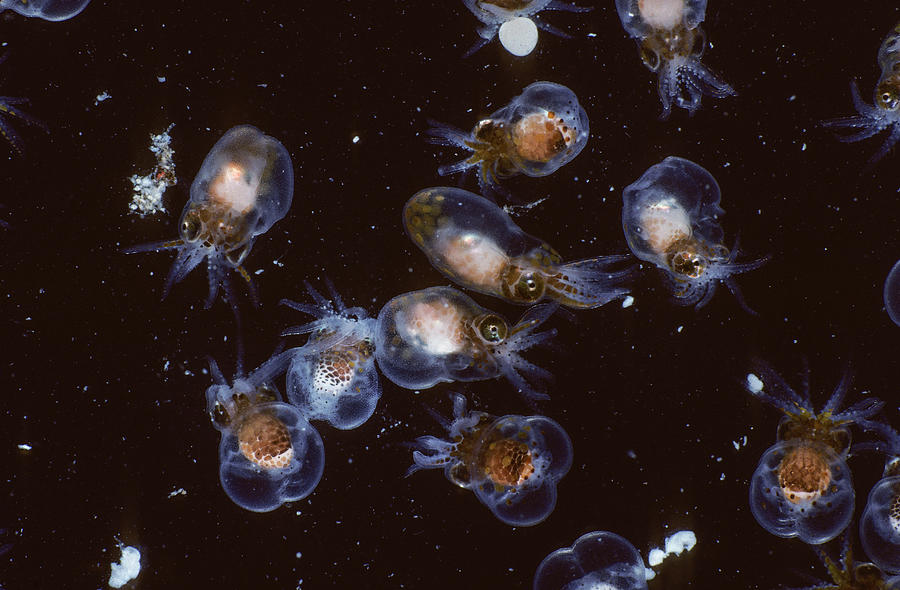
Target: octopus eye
699, 45
190, 227
530, 287
650, 59
890, 101
493, 329
841, 439
689, 264
219, 415
719, 252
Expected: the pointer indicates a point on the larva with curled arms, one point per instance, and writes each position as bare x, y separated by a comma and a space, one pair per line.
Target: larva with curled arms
802, 486
671, 44
671, 218
516, 22
245, 185
333, 377
477, 245
426, 337
885, 114
269, 453
512, 463
539, 131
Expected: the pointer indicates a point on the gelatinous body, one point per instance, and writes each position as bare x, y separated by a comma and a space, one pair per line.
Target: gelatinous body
440, 335
52, 10
885, 114
512, 463
892, 293
244, 186
537, 132
671, 44
497, 15
477, 245
802, 486
671, 218
333, 377
879, 525
8, 108
596, 560
269, 453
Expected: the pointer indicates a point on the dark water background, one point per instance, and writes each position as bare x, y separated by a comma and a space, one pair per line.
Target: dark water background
106, 382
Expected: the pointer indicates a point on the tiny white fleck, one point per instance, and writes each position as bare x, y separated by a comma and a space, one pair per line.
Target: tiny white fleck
25, 447
178, 492
101, 97
680, 328
628, 301
160, 79
356, 139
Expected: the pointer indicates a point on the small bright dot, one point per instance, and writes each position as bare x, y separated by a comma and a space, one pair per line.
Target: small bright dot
519, 36
356, 139
628, 301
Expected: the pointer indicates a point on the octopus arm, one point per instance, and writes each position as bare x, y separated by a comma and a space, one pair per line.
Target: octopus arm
589, 283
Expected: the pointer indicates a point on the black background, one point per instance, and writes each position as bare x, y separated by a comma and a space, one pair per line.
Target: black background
106, 382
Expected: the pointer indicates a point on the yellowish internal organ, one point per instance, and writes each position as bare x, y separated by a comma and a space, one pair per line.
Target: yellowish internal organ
539, 137
507, 462
474, 258
236, 186
664, 223
662, 14
435, 326
803, 474
266, 441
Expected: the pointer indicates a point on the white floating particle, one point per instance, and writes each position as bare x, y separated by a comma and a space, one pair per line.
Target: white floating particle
519, 36
754, 383
127, 569
101, 97
25, 447
680, 542
356, 139
655, 557
149, 189
178, 492
628, 301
